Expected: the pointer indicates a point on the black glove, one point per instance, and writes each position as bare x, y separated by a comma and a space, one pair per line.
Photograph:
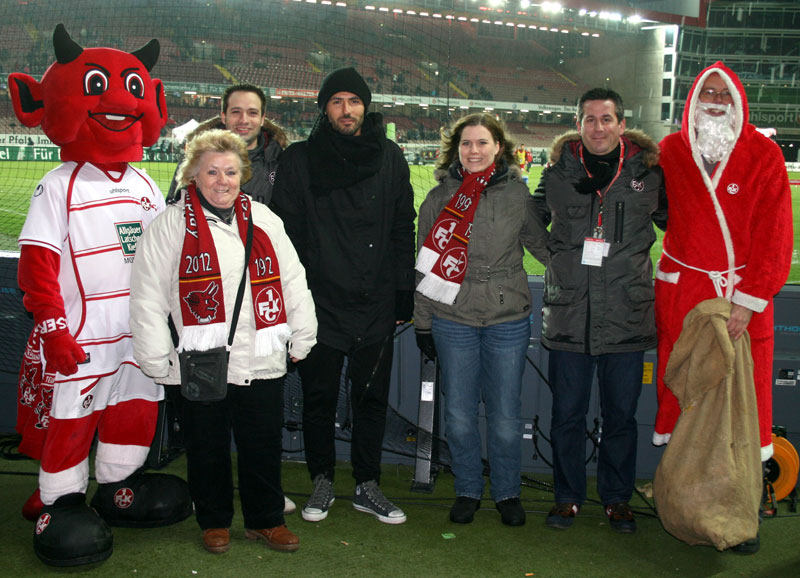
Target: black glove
403, 305
425, 343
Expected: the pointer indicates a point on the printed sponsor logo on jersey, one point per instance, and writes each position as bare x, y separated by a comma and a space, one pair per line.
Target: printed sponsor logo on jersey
129, 234
733, 188
637, 186
39, 190
146, 203
119, 191
87, 401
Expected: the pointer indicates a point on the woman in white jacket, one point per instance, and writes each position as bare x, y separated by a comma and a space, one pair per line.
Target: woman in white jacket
189, 264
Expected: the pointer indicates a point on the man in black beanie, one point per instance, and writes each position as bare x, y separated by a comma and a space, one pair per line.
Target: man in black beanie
347, 204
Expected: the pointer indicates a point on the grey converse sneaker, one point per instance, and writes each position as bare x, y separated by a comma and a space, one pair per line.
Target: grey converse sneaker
369, 498
321, 499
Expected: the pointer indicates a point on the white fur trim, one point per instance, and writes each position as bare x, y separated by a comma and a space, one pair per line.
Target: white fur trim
752, 303
272, 339
667, 277
438, 289
661, 439
72, 480
426, 259
115, 462
766, 452
202, 337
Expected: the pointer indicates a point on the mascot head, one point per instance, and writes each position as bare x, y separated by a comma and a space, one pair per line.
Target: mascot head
98, 104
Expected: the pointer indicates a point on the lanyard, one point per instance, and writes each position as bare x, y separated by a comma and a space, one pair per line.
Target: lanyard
598, 231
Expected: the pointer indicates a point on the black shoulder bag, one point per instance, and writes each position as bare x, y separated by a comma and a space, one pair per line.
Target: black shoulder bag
204, 374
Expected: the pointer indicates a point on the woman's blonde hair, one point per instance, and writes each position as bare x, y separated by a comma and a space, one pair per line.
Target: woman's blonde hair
451, 137
213, 141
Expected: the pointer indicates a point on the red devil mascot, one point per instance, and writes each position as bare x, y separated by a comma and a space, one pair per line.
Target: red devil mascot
79, 378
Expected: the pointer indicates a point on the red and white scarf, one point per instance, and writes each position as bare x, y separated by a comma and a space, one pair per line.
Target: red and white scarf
200, 284
443, 256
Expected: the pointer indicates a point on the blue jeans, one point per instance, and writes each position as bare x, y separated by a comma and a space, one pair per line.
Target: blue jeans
620, 379
483, 364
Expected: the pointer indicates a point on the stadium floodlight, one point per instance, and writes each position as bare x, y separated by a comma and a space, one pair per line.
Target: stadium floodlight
554, 7
275, 96
369, 7
424, 14
190, 92
462, 18
498, 22
495, 3
474, 20
383, 9
437, 15
510, 24
525, 4
564, 31
326, 2
554, 30
411, 12
584, 34
595, 35
341, 4
635, 19
397, 11
583, 12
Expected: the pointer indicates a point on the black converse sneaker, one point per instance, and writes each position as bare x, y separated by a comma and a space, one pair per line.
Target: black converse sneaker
369, 498
321, 499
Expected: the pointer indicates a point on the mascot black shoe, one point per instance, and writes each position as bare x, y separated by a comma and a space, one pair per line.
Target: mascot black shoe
70, 533
143, 501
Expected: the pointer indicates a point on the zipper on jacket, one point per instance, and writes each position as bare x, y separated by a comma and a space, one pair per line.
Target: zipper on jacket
500, 287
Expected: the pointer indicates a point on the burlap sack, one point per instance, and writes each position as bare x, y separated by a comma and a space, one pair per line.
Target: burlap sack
707, 486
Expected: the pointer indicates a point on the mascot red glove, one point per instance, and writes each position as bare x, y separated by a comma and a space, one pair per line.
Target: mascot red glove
79, 378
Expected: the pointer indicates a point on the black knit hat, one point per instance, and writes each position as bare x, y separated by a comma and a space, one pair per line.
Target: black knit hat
343, 80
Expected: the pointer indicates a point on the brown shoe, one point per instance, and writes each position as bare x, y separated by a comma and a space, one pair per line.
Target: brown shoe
217, 540
278, 538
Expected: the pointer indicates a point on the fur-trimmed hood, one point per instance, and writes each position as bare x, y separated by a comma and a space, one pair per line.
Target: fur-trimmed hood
273, 131
636, 140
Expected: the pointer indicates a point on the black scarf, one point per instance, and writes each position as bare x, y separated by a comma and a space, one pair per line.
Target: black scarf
602, 167
339, 161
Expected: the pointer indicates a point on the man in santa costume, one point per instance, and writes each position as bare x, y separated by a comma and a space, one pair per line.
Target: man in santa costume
729, 232
79, 377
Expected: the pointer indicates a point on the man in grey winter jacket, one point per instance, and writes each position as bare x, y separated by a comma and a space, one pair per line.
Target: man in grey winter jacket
244, 112
600, 195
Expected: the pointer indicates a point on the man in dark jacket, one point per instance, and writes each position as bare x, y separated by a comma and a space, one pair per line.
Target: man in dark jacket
601, 193
244, 112
346, 201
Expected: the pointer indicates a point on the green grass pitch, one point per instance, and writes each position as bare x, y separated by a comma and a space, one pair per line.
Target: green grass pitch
19, 179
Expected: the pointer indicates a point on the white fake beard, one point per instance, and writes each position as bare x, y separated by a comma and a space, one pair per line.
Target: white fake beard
715, 135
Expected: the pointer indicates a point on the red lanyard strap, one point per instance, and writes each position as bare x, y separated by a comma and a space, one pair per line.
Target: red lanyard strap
602, 194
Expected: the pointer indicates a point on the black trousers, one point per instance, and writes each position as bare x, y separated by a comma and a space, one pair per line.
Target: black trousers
255, 415
370, 372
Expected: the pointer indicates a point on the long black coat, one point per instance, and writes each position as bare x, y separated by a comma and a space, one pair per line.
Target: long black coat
357, 244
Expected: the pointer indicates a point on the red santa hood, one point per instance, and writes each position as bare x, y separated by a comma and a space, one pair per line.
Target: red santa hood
741, 111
